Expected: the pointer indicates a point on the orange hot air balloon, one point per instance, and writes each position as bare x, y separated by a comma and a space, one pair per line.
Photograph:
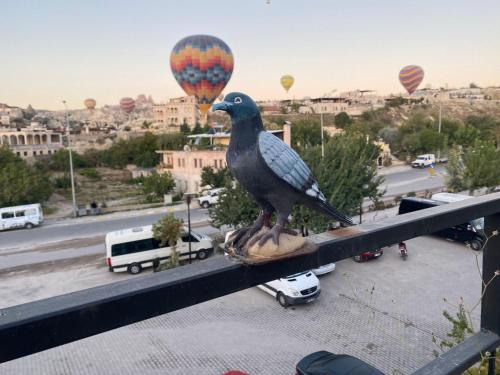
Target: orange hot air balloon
287, 81
410, 77
202, 65
89, 103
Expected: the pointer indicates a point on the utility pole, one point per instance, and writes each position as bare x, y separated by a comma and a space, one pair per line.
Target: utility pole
322, 138
439, 129
75, 214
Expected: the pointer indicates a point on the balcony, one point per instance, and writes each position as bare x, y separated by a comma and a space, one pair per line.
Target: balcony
33, 327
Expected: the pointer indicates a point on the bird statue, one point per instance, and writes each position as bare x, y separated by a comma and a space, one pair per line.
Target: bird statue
271, 171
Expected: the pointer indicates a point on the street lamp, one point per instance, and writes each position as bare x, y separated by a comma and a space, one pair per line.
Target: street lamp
188, 197
322, 137
75, 214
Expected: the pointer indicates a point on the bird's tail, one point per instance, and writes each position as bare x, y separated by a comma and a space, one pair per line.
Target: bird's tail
327, 209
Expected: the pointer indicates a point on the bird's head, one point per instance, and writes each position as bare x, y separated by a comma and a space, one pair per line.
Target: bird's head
238, 106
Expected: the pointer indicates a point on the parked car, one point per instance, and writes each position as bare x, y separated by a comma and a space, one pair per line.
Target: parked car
323, 270
210, 198
326, 363
423, 161
26, 216
367, 255
471, 232
134, 249
302, 287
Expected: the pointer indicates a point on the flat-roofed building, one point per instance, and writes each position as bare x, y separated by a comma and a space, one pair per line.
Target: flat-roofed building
31, 141
170, 116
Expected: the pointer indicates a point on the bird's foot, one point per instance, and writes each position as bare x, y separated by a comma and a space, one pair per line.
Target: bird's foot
271, 234
241, 237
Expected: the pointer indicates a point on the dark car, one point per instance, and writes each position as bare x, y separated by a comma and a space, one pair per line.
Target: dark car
326, 363
471, 232
367, 255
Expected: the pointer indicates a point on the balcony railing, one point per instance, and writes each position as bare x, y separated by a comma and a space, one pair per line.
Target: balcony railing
37, 326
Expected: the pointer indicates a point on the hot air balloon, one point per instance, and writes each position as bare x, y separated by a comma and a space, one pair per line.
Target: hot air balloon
287, 81
89, 103
410, 77
202, 65
127, 105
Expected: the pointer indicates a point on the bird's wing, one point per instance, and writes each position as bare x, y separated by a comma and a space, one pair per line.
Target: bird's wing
288, 165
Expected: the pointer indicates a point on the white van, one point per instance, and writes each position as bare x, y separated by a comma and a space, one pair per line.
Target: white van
302, 287
26, 216
135, 248
423, 161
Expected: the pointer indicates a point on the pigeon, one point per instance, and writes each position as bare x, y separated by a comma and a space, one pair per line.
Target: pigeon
271, 171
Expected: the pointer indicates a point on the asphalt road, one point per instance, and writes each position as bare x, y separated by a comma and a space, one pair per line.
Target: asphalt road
84, 228
412, 180
20, 247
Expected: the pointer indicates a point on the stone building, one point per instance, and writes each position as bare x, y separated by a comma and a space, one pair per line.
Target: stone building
170, 116
31, 141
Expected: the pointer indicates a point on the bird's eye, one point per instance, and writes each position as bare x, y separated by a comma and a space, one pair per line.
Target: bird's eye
237, 100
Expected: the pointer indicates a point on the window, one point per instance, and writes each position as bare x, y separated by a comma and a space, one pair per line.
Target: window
220, 163
7, 215
31, 211
19, 213
201, 164
25, 153
183, 163
215, 163
134, 246
196, 163
185, 238
179, 162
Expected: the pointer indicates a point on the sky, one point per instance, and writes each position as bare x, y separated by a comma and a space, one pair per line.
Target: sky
55, 50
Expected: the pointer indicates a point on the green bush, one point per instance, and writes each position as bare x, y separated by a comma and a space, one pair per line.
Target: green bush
62, 182
91, 173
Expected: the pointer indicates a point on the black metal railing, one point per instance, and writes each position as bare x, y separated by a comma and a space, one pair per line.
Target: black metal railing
32, 327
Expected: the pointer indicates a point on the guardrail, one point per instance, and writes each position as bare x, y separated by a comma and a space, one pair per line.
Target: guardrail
36, 326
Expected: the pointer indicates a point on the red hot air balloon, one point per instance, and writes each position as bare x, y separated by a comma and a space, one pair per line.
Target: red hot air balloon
89, 103
202, 65
410, 77
127, 105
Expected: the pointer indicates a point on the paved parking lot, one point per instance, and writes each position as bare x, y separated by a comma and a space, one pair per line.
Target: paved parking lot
384, 311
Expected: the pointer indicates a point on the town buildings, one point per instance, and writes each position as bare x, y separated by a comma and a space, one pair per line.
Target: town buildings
31, 141
170, 116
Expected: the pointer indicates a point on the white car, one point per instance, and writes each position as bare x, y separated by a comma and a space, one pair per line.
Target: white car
302, 287
423, 161
134, 249
211, 198
27, 216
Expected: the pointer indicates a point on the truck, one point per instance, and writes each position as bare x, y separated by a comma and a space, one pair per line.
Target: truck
210, 198
423, 161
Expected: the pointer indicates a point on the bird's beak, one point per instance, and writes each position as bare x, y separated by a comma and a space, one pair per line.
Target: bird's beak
222, 106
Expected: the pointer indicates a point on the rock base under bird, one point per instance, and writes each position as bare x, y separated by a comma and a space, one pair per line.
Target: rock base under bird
289, 246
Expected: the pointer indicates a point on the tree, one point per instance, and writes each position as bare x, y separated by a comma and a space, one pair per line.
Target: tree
168, 231
21, 183
342, 120
173, 141
346, 175
197, 129
455, 168
60, 160
481, 166
157, 185
306, 133
184, 129
235, 207
215, 178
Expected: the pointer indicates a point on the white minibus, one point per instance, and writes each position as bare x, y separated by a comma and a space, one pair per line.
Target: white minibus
134, 249
26, 216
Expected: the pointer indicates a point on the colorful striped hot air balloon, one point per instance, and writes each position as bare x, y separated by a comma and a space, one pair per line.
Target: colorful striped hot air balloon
410, 77
127, 105
89, 103
202, 65
287, 81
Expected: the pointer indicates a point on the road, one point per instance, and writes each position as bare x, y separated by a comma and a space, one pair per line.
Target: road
63, 239
412, 180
